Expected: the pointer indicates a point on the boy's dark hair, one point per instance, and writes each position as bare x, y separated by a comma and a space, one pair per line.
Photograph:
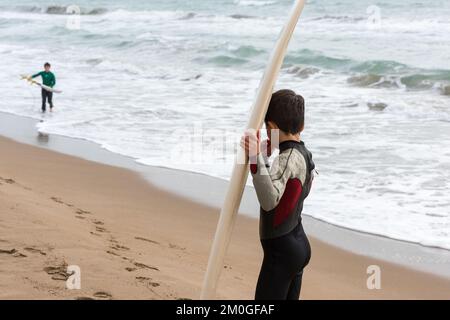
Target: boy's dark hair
287, 111
47, 64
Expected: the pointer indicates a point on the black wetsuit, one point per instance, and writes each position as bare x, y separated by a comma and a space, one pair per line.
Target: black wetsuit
46, 95
281, 272
281, 192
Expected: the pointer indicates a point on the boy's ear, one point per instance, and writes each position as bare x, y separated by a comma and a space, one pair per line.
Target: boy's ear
271, 125
302, 128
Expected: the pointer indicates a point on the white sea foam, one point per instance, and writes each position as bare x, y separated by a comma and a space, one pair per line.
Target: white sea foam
255, 3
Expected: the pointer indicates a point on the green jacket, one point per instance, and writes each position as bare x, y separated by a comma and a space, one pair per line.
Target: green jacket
48, 78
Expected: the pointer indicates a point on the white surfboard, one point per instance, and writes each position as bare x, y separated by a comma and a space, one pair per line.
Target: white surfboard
240, 171
43, 86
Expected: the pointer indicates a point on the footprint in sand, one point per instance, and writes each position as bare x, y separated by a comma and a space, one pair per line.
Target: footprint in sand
98, 225
57, 200
119, 247
61, 277
81, 212
100, 229
144, 266
102, 295
34, 250
174, 246
148, 281
130, 269
8, 181
11, 181
113, 253
12, 252
58, 272
146, 240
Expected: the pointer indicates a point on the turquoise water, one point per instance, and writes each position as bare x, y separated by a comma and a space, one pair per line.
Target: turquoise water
170, 83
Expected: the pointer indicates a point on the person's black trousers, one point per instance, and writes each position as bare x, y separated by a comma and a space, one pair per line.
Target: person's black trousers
281, 272
46, 96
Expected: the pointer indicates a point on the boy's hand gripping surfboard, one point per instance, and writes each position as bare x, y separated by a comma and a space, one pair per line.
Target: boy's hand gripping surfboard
240, 170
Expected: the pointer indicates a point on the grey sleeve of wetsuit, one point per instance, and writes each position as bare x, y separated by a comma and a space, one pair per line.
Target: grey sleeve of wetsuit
270, 183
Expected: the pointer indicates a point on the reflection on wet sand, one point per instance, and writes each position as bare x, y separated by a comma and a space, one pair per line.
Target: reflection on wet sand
42, 138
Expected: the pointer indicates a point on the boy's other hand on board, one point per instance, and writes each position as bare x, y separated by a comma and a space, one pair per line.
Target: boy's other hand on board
251, 143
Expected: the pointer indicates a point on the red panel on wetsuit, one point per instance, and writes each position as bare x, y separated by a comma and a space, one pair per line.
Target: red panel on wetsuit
288, 201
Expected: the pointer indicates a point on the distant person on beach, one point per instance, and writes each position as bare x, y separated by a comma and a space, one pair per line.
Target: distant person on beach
281, 191
48, 79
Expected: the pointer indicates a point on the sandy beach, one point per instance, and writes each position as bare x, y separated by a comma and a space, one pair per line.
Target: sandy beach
132, 240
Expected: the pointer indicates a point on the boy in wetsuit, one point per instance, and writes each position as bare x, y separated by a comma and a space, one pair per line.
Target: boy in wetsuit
281, 190
48, 79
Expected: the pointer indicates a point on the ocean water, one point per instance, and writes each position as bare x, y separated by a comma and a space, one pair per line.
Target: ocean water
170, 83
